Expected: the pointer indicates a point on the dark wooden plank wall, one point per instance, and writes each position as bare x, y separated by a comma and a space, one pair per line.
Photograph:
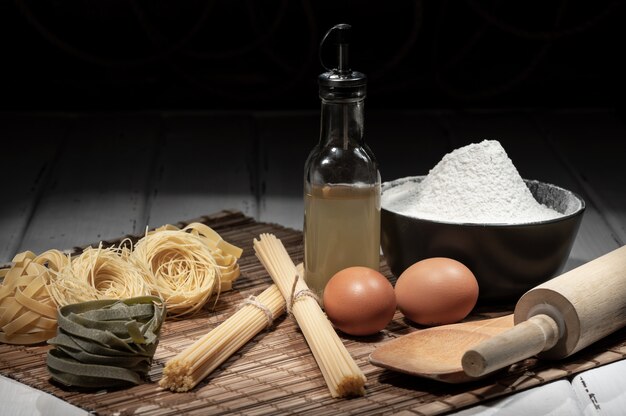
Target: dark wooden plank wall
73, 179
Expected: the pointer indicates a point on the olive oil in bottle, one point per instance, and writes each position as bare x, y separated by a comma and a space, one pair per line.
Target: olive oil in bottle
342, 229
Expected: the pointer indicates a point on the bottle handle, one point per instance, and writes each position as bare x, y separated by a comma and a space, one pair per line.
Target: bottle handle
343, 39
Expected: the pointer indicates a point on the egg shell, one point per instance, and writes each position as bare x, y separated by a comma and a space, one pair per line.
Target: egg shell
436, 291
359, 301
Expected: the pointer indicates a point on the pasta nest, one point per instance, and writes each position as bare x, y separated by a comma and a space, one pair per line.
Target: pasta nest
186, 267
99, 273
28, 313
183, 267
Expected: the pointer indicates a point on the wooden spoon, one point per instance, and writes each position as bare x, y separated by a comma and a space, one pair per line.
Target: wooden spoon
436, 352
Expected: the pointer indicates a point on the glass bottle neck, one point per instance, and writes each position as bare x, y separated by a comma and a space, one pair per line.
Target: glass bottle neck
342, 123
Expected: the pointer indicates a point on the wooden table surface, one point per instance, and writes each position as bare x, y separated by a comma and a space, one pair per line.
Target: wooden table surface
72, 179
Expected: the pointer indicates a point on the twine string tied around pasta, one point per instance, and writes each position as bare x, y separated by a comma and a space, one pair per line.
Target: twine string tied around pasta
293, 298
254, 301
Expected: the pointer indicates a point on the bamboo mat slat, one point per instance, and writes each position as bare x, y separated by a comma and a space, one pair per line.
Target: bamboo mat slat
275, 373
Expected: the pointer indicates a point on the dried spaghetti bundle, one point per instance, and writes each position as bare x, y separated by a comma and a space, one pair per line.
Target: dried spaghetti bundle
28, 314
98, 273
343, 376
185, 267
197, 361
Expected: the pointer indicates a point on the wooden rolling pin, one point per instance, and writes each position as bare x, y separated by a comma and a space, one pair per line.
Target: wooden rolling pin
559, 317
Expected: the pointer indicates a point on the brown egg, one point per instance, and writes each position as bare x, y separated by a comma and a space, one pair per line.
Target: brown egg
436, 291
359, 301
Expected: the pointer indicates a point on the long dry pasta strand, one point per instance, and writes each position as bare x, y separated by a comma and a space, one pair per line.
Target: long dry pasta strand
196, 362
342, 375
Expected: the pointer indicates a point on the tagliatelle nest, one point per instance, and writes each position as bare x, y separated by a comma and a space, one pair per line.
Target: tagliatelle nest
28, 314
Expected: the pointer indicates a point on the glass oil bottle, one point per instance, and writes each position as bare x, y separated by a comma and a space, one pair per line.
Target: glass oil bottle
341, 178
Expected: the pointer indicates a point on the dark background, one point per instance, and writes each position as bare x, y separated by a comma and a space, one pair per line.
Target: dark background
238, 55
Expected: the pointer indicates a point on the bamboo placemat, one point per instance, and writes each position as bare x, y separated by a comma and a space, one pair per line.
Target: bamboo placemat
275, 373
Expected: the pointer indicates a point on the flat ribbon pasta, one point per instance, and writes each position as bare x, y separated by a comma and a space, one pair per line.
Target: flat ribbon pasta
106, 343
28, 314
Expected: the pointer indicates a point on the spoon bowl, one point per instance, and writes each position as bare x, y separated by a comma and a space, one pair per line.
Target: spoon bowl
436, 352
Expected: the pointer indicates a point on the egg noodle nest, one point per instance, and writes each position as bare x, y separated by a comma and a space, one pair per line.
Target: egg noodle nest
184, 267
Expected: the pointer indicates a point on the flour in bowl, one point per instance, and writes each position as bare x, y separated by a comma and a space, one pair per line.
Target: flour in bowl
477, 183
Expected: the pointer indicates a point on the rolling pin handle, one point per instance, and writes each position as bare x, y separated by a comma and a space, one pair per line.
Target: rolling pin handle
537, 334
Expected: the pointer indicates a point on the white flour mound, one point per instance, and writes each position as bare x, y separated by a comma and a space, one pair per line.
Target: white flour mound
477, 183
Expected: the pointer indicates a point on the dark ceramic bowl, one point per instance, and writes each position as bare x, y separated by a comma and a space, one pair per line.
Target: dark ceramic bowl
507, 260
